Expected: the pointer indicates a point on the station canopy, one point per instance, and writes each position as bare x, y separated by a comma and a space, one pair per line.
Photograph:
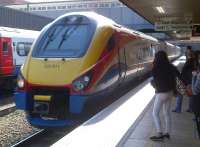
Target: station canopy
180, 18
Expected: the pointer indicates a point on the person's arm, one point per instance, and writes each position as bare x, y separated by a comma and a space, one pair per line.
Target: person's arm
154, 78
176, 72
183, 76
178, 75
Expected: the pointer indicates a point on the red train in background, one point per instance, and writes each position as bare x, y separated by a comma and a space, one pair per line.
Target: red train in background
14, 47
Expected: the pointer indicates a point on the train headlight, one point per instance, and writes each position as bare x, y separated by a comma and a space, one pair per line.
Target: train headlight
20, 81
81, 83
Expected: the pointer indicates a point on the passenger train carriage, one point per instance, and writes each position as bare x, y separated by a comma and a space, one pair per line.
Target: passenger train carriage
76, 57
14, 47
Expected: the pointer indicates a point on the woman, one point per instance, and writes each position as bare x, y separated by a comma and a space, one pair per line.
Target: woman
189, 66
186, 78
164, 81
196, 93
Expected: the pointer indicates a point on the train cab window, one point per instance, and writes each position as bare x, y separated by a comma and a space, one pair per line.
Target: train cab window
111, 43
69, 38
23, 48
5, 46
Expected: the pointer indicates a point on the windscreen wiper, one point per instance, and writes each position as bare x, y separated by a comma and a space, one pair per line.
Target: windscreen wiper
50, 35
65, 34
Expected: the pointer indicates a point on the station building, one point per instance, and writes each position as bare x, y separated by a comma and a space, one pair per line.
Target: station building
23, 20
113, 9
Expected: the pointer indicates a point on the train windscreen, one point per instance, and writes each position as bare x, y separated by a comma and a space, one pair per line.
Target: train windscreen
70, 38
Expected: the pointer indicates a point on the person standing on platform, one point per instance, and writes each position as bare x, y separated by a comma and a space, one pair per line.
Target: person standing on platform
196, 93
186, 76
164, 81
189, 66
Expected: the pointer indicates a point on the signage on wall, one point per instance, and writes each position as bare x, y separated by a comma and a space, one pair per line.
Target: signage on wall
174, 23
173, 27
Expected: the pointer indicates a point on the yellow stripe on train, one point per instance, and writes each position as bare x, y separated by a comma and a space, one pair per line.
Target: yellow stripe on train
42, 98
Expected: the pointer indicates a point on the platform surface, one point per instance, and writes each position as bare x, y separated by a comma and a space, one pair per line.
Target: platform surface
183, 131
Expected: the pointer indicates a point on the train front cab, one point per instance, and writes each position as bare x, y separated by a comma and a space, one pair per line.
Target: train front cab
54, 84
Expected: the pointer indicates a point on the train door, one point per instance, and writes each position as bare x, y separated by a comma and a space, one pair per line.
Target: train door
131, 59
6, 56
140, 62
144, 58
122, 64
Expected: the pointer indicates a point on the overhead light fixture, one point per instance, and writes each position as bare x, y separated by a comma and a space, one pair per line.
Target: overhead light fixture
160, 10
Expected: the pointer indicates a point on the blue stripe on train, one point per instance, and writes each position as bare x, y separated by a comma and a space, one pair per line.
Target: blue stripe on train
76, 103
20, 100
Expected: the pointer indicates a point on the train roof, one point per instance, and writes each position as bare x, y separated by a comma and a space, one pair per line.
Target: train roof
104, 21
18, 33
92, 15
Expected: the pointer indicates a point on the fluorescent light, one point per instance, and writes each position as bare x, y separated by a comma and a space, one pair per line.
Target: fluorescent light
160, 10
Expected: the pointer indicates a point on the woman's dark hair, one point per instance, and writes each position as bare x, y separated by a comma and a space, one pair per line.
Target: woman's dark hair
161, 59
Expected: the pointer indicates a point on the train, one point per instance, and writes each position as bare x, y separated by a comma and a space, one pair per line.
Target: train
14, 46
79, 57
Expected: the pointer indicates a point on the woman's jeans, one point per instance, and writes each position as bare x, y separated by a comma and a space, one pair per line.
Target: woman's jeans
162, 100
179, 100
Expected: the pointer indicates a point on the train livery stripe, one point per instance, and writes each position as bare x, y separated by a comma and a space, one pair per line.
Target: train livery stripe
42, 98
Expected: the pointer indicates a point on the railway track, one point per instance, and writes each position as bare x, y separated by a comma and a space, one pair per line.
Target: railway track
30, 139
43, 138
6, 105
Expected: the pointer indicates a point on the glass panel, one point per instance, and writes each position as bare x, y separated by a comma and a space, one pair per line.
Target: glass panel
5, 46
65, 40
23, 48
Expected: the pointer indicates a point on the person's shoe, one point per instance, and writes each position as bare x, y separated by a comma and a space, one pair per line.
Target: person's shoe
157, 138
166, 136
176, 111
189, 111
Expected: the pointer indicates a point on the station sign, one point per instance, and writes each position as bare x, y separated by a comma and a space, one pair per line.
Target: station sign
174, 23
173, 27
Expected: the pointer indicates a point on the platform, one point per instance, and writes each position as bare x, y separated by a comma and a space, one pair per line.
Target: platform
183, 131
128, 122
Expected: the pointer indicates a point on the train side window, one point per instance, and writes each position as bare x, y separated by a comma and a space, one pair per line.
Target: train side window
23, 48
152, 50
5, 46
111, 43
139, 54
